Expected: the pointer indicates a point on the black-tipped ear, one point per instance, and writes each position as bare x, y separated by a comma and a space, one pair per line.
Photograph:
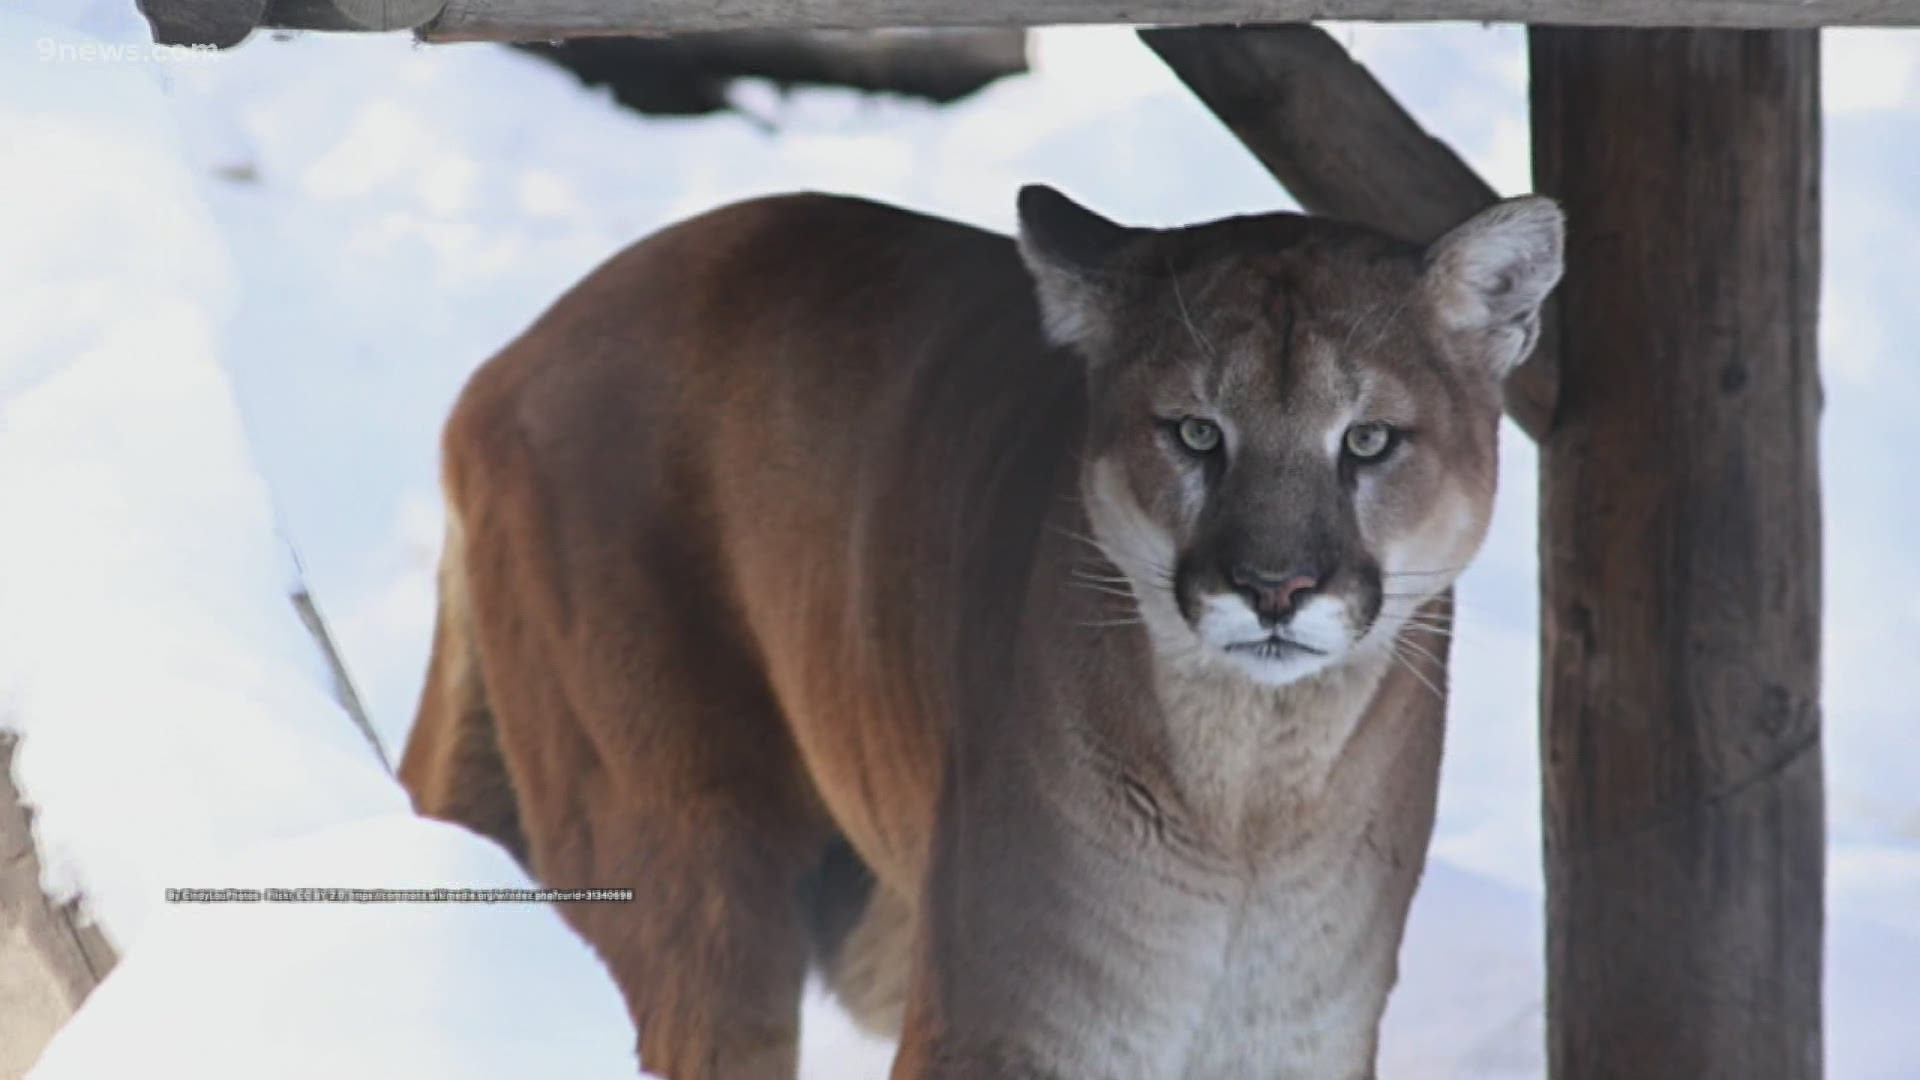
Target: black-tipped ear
1068, 249
1066, 233
1488, 277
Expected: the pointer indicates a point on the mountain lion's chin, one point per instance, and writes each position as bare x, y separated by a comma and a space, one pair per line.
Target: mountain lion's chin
1275, 661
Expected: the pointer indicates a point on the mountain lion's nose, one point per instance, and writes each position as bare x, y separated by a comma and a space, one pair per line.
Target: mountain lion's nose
1274, 596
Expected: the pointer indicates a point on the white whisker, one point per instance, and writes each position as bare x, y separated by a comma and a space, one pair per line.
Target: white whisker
1415, 672
1121, 594
1438, 663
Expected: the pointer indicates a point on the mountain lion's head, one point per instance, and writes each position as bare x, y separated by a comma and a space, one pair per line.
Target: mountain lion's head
1291, 441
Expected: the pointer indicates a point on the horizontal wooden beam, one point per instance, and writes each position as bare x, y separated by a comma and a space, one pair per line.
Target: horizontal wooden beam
361, 15
1343, 147
690, 74
533, 20
185, 22
225, 23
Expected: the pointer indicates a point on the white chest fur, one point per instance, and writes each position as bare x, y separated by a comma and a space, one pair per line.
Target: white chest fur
1304, 977
1311, 934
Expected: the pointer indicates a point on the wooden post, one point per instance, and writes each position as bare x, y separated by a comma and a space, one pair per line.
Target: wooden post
1680, 551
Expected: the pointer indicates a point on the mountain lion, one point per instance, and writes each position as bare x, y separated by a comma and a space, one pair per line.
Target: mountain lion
1044, 640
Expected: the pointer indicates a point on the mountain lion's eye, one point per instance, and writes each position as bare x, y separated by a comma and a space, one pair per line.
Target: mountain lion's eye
1200, 436
1370, 442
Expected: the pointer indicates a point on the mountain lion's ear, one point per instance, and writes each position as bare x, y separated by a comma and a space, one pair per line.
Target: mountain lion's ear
1487, 278
1067, 248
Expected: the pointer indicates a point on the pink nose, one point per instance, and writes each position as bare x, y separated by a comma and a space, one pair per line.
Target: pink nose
1273, 596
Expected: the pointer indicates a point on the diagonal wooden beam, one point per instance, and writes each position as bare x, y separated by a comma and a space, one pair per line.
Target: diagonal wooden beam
1339, 142
343, 691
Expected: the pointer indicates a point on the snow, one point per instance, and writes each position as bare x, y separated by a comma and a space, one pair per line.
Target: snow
176, 730
375, 989
252, 284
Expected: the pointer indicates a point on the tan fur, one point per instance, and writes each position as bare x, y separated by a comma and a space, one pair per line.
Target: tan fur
796, 581
452, 761
868, 972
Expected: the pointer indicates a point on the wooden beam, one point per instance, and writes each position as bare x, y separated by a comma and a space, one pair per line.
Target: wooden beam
540, 20
1680, 555
343, 691
689, 74
1337, 140
225, 23
220, 23
51, 960
362, 15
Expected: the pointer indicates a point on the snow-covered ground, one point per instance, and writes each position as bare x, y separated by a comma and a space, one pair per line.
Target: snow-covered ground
252, 284
177, 731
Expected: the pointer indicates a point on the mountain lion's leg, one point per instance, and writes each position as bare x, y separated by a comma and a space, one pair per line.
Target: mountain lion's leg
678, 784
710, 954
648, 754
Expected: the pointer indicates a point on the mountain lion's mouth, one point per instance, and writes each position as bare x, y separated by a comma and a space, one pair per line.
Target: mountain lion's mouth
1274, 647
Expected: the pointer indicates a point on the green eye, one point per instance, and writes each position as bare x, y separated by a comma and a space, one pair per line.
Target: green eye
1369, 442
1200, 436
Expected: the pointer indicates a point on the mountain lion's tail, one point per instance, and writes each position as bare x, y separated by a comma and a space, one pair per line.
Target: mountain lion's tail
863, 940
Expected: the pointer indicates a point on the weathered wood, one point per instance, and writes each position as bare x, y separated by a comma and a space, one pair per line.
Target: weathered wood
364, 15
689, 74
1680, 551
343, 691
220, 23
49, 959
536, 20
1325, 127
223, 23
1339, 142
